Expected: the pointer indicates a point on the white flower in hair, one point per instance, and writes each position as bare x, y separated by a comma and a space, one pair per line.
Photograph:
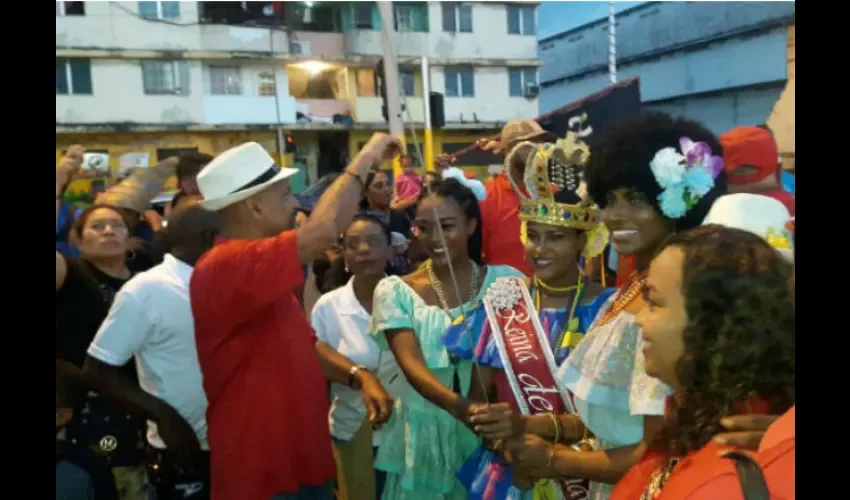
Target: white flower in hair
668, 167
474, 185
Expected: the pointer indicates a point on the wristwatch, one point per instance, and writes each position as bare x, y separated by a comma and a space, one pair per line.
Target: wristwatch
352, 376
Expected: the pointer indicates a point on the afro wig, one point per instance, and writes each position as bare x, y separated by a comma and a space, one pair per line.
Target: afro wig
622, 158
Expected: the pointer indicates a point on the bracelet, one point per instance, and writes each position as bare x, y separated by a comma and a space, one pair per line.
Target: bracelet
357, 178
352, 375
576, 432
551, 457
559, 429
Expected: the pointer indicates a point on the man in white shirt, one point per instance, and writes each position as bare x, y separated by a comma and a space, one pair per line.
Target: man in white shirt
151, 320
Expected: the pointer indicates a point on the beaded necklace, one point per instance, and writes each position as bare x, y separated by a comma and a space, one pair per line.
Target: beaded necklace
658, 480
627, 294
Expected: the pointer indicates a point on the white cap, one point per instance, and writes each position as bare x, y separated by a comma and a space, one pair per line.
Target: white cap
761, 215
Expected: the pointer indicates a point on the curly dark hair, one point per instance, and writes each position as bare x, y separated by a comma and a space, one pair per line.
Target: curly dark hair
454, 190
739, 340
622, 158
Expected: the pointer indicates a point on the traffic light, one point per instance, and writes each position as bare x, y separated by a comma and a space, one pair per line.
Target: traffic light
289, 145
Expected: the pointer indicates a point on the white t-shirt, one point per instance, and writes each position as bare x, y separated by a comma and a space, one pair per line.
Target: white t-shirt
151, 319
340, 320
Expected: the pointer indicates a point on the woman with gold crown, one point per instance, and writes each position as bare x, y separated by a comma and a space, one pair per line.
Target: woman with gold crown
523, 329
652, 175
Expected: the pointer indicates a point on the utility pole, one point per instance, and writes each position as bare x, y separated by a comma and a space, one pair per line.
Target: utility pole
612, 43
391, 76
429, 134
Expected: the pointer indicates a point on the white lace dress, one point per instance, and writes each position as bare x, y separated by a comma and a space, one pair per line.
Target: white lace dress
612, 391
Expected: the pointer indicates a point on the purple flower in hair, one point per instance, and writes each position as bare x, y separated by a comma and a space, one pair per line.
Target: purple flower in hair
699, 154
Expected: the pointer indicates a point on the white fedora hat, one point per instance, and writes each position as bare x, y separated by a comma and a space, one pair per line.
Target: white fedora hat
760, 215
237, 174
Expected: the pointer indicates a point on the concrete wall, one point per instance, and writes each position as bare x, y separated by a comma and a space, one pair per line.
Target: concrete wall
489, 38
492, 101
113, 25
250, 107
118, 96
322, 44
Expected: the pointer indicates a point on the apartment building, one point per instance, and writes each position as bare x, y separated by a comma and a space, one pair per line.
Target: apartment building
157, 77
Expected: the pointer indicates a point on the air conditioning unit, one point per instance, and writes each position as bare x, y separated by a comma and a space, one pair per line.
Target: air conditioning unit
300, 48
532, 90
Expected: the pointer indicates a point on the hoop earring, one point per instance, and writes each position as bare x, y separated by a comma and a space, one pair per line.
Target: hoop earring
346, 268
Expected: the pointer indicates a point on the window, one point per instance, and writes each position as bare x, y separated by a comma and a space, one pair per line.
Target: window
521, 20
164, 154
363, 16
160, 10
165, 77
518, 78
403, 17
460, 81
457, 17
365, 82
73, 76
408, 83
266, 84
225, 80
70, 9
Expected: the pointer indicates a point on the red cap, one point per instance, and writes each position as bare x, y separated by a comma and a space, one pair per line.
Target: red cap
752, 146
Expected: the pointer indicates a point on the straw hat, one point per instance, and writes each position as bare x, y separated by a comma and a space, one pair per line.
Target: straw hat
238, 174
518, 131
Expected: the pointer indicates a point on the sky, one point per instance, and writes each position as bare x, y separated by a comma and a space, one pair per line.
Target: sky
555, 17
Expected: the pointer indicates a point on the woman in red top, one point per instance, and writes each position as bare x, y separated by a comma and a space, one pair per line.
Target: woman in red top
719, 328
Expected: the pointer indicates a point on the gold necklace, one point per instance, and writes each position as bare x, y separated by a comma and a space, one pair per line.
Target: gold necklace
542, 284
571, 325
437, 286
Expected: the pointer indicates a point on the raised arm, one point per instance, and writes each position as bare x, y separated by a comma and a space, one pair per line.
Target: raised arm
336, 208
68, 166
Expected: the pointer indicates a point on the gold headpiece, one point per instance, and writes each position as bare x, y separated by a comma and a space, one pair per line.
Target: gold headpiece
550, 164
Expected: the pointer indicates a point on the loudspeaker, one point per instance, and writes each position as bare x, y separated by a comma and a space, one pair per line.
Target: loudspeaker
438, 111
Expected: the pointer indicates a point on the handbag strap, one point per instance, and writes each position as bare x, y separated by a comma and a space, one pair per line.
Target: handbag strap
750, 475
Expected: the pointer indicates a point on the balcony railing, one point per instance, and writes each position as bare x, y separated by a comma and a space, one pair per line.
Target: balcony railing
322, 110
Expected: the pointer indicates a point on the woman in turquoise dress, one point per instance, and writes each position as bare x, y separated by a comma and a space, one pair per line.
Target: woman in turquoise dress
651, 176
427, 439
559, 230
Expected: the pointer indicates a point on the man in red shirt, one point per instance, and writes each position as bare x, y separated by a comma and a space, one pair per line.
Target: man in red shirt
751, 159
268, 403
500, 210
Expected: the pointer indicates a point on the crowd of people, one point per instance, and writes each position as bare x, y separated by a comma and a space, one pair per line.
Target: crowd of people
469, 341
